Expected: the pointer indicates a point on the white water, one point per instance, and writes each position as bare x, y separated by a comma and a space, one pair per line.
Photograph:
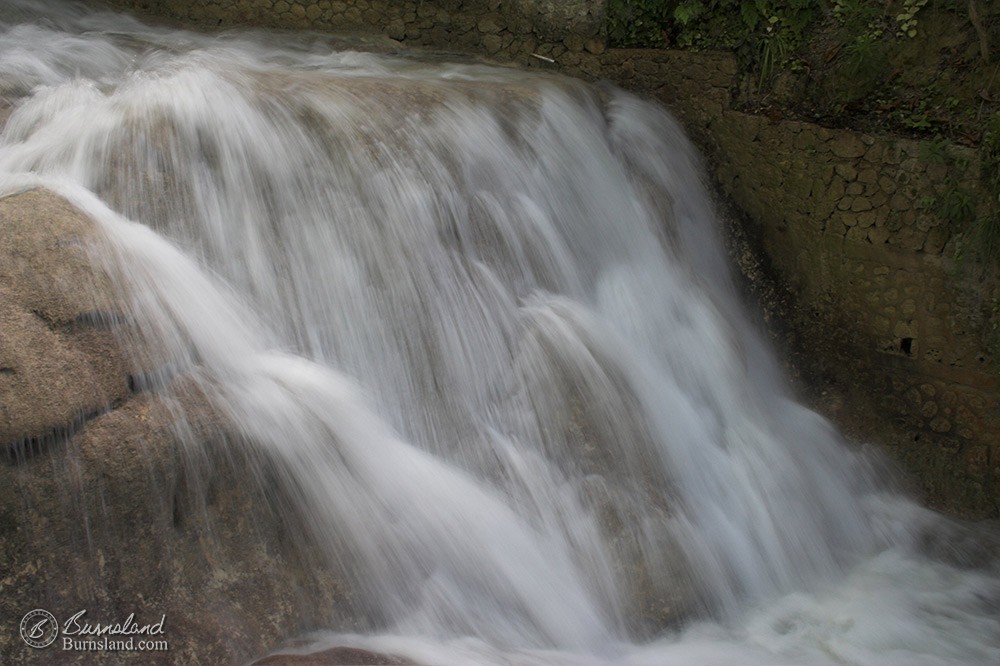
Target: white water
482, 323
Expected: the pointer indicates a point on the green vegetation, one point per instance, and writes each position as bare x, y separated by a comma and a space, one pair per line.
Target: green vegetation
988, 227
951, 203
764, 33
907, 18
769, 36
992, 328
637, 23
975, 215
707, 23
920, 68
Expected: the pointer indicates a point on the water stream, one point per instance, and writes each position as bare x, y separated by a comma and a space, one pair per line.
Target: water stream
483, 322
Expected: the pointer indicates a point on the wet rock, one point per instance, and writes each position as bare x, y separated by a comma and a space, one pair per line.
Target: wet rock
62, 365
118, 514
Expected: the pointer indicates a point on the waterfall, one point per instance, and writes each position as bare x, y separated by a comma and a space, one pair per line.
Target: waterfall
481, 321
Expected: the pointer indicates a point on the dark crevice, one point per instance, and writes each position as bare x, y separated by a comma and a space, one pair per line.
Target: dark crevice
906, 346
177, 514
8, 371
151, 381
25, 448
101, 320
41, 315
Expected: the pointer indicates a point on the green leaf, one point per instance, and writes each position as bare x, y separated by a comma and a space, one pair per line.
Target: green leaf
750, 16
688, 11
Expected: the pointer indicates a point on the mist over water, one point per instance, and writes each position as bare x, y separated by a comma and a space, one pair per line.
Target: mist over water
482, 324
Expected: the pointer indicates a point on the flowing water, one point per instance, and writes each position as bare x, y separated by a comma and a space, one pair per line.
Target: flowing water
482, 322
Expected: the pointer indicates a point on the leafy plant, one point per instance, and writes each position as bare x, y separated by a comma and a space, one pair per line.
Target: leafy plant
764, 33
988, 229
980, 216
637, 23
990, 154
907, 18
774, 49
687, 12
988, 237
992, 327
934, 152
955, 205
916, 118
860, 18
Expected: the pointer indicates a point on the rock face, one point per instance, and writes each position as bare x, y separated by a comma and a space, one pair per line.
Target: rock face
57, 366
102, 508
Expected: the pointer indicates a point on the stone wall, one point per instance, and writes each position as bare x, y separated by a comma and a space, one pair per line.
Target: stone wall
482, 26
899, 325
901, 336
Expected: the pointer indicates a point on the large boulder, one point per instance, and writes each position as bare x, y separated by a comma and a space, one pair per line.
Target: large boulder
103, 507
57, 365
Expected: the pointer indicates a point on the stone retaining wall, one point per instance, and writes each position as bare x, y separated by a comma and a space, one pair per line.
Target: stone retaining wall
852, 224
484, 26
884, 316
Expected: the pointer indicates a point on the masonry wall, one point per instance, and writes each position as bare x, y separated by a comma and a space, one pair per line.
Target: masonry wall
895, 317
485, 26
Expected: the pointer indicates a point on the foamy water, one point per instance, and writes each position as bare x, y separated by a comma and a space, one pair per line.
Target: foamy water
482, 323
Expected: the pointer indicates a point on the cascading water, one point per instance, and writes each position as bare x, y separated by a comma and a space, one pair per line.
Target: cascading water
482, 322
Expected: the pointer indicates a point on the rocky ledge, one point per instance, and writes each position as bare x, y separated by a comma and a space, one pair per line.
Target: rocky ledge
102, 507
